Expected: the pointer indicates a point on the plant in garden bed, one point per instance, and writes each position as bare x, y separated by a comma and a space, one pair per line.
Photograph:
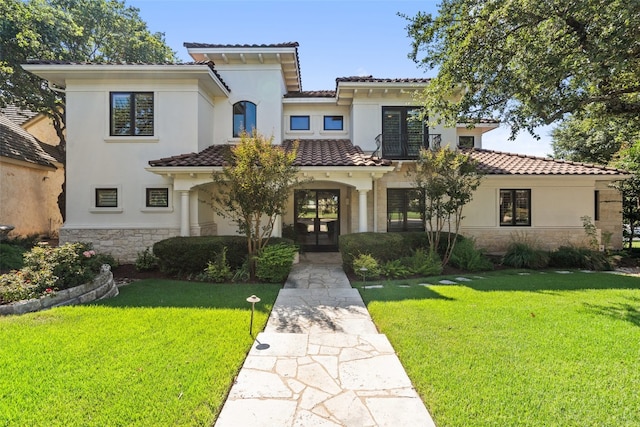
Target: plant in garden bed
274, 262
146, 260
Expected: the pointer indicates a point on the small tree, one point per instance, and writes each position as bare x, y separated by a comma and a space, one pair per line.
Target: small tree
446, 180
254, 187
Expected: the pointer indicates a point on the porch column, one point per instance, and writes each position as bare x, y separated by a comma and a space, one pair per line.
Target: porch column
362, 211
184, 213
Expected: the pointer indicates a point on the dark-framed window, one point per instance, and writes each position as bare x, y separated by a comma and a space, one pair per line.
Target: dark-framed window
131, 114
515, 207
596, 205
333, 123
244, 117
405, 210
404, 133
157, 197
106, 197
299, 123
466, 141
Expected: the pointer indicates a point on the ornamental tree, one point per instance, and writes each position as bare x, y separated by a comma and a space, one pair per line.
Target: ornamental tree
529, 63
254, 187
446, 180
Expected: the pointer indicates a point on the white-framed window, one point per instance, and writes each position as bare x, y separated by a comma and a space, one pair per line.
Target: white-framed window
299, 123
244, 117
106, 198
333, 123
466, 141
131, 114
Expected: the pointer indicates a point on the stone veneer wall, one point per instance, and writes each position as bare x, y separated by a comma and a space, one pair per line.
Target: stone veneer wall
610, 213
497, 240
122, 243
103, 286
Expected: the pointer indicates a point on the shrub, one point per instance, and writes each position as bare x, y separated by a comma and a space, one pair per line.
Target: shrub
574, 257
146, 260
274, 262
366, 261
466, 256
423, 263
381, 246
190, 255
16, 286
395, 270
218, 269
11, 257
523, 255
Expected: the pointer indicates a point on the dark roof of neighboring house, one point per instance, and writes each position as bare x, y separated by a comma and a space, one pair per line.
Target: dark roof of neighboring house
371, 79
16, 143
186, 64
311, 152
500, 163
17, 115
311, 94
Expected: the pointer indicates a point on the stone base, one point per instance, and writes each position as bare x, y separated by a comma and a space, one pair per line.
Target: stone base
124, 244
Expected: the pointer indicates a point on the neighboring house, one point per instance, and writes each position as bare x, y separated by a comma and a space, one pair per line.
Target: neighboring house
143, 141
31, 177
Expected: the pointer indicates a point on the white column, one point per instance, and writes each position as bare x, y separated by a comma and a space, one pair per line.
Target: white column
184, 213
362, 211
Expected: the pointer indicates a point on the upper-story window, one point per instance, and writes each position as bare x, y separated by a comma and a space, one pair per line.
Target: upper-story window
405, 132
333, 123
244, 117
466, 141
131, 114
299, 123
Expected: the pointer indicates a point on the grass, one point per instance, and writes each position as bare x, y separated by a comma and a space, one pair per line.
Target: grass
161, 353
514, 350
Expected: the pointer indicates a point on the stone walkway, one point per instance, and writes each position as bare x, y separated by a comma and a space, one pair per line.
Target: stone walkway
320, 361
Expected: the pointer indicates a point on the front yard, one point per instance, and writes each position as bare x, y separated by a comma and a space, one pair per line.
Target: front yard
161, 353
544, 349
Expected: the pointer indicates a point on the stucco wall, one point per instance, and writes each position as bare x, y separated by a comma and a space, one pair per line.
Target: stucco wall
29, 199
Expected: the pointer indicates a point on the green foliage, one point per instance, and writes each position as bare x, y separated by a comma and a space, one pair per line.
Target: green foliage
11, 257
146, 260
447, 180
395, 269
382, 246
368, 262
575, 257
254, 188
523, 255
423, 263
17, 285
274, 262
466, 256
218, 270
528, 63
190, 255
590, 230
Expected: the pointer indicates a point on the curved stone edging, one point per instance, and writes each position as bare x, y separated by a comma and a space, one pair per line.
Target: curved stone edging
103, 286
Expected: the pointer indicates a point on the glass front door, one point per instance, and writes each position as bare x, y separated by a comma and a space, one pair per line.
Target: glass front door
317, 216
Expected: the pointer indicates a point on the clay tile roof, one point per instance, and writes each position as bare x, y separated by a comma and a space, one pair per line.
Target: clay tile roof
499, 163
371, 79
311, 94
16, 143
311, 152
190, 45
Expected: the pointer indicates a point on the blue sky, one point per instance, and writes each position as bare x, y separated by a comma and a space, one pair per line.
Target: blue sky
337, 39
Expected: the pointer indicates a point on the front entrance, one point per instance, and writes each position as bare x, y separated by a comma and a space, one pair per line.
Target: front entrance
317, 219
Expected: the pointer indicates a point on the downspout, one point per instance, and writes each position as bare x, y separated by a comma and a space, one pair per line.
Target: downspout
55, 89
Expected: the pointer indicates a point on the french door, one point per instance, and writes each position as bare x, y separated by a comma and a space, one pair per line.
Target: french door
317, 219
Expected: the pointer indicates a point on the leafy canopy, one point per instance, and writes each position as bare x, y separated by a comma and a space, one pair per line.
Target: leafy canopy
68, 30
529, 63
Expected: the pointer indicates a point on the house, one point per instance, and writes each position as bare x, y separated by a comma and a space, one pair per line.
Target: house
143, 141
31, 175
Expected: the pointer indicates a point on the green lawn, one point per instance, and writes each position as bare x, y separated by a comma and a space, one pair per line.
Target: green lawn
162, 353
514, 350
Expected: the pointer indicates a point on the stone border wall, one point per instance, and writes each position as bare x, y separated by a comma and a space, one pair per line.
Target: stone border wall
497, 240
103, 286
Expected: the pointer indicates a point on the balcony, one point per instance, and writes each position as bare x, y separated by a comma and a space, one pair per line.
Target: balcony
405, 146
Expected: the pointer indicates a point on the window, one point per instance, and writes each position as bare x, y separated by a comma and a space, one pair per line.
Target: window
404, 133
596, 207
405, 210
333, 123
299, 123
131, 114
244, 117
157, 198
515, 207
106, 197
466, 141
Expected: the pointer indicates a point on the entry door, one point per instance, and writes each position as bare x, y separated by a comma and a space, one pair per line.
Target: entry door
317, 219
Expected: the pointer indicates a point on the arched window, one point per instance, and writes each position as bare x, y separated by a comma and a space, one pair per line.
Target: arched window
244, 117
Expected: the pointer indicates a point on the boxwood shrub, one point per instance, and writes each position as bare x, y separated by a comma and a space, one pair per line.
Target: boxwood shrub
190, 255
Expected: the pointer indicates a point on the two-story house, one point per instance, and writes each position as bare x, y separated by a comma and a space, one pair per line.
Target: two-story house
143, 141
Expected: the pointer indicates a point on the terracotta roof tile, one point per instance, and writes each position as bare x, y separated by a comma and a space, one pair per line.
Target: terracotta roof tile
190, 45
311, 152
16, 143
500, 163
311, 94
371, 79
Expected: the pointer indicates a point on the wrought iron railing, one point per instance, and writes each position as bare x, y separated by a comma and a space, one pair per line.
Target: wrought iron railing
407, 145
